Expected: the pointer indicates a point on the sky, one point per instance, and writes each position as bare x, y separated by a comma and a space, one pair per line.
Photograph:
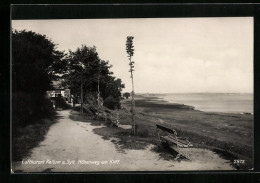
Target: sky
172, 55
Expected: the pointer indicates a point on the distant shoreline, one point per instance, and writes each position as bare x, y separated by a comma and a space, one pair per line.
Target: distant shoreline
159, 96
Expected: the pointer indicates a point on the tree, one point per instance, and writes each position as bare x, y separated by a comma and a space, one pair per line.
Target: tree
97, 79
130, 53
35, 63
126, 95
80, 69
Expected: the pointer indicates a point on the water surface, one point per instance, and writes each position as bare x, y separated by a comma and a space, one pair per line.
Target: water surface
213, 102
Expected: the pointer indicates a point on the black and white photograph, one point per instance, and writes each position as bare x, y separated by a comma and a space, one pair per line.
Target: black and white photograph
132, 94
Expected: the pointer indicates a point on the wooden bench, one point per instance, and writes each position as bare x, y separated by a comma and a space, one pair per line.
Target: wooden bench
172, 139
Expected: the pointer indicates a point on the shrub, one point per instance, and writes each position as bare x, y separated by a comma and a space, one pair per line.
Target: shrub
112, 103
27, 107
90, 98
126, 95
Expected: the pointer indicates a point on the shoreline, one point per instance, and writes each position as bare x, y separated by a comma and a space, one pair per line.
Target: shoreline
159, 98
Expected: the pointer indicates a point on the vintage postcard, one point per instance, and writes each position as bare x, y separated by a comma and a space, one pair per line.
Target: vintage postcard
132, 94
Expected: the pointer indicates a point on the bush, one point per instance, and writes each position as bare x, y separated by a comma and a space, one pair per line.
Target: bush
27, 107
90, 98
112, 103
126, 95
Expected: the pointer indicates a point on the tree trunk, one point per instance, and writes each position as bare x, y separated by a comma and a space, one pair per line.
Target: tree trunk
133, 103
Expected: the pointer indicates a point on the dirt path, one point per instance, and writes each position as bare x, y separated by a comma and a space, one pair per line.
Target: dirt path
72, 146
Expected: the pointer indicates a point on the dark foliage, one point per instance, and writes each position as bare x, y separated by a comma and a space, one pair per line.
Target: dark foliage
35, 63
112, 103
85, 66
28, 107
60, 102
126, 95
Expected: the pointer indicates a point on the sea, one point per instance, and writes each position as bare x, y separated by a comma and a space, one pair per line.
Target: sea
213, 102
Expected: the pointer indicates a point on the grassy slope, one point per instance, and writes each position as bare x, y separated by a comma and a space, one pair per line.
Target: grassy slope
235, 129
